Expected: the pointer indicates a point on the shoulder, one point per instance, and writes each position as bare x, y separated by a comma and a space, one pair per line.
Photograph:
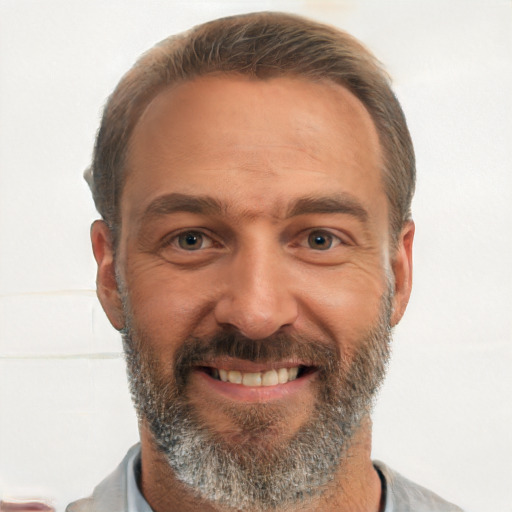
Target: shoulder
406, 495
83, 505
111, 494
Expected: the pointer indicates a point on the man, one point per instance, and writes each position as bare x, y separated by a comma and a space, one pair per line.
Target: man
254, 177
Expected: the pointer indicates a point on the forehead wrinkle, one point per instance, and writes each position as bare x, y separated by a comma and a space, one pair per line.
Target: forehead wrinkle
340, 203
251, 215
202, 205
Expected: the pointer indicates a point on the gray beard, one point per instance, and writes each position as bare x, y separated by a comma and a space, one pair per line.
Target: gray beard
258, 471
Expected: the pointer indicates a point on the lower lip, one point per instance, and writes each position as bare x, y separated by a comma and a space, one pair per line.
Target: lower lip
242, 393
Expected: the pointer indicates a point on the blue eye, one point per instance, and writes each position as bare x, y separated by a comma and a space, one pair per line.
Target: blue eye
191, 240
320, 240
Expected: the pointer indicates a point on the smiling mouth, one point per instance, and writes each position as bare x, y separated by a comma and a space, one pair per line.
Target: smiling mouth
267, 378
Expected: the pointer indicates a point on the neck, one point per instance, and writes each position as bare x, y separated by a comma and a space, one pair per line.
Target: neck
356, 486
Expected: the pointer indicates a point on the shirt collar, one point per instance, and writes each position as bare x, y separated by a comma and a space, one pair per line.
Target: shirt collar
134, 498
137, 503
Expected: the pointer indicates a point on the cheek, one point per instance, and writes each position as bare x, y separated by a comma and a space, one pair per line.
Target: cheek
170, 305
346, 303
167, 307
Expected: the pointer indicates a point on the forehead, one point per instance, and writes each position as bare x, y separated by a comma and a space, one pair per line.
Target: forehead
251, 140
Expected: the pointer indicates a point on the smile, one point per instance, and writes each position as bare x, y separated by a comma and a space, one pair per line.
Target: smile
248, 381
256, 379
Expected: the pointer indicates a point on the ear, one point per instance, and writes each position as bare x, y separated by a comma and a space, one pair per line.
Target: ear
106, 284
402, 270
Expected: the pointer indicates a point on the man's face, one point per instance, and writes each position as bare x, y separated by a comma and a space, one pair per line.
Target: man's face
254, 268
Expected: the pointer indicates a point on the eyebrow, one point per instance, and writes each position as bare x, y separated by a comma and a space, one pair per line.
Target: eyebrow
340, 203
173, 203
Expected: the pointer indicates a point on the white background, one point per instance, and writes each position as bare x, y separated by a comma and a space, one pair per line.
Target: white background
444, 416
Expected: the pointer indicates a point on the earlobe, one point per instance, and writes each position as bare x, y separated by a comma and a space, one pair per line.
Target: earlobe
106, 284
402, 270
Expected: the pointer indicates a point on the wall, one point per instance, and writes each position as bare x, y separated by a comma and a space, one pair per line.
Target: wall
444, 414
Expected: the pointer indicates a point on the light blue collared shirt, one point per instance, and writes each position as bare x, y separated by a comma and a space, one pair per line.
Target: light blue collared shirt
137, 503
134, 498
120, 492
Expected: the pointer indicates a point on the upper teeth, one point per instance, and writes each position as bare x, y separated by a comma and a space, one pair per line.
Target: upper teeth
268, 378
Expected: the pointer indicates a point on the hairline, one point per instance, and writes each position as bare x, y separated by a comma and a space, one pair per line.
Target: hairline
122, 173
258, 46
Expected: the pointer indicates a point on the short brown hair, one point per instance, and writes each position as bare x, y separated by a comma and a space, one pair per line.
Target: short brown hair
259, 45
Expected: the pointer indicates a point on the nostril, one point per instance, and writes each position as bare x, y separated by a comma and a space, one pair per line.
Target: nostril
256, 317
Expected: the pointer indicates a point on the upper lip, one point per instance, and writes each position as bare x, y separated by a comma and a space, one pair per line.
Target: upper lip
243, 365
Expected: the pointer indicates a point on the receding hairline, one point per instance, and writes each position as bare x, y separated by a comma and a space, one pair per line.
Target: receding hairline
363, 118
351, 100
257, 45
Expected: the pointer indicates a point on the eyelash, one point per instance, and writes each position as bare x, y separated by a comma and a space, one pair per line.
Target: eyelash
173, 240
305, 236
325, 234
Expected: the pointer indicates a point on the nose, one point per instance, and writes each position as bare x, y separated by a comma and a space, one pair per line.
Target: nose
257, 299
